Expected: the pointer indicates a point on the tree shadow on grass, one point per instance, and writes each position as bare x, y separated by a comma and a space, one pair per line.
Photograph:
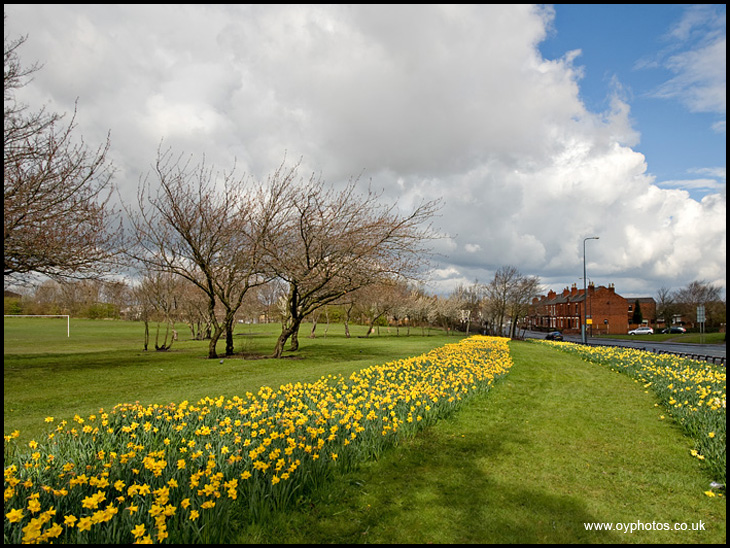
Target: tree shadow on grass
449, 496
426, 491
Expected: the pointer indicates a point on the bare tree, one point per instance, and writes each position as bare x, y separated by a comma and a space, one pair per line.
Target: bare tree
381, 300
469, 300
497, 296
157, 296
194, 310
701, 292
268, 297
348, 303
520, 297
209, 228
58, 221
335, 242
665, 304
508, 297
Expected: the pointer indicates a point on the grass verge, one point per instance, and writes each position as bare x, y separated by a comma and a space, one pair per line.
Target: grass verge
684, 338
556, 444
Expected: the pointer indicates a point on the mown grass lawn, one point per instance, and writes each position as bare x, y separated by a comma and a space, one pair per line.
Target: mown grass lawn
685, 338
556, 444
103, 363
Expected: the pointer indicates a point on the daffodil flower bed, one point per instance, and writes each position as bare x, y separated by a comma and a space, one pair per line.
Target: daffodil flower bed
692, 392
179, 472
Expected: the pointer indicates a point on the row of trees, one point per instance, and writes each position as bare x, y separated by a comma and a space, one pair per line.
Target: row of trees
499, 304
683, 303
227, 235
167, 299
94, 299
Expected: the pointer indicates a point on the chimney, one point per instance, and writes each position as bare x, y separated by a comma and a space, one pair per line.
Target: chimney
573, 290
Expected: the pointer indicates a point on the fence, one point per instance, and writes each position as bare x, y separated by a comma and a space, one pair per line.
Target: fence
717, 360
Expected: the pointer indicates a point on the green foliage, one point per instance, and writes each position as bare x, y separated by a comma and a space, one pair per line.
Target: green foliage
101, 311
13, 305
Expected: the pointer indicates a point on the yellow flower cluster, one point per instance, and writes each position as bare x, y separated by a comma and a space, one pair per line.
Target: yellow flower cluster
693, 392
143, 473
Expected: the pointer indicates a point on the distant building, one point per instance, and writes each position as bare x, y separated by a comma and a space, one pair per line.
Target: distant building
607, 311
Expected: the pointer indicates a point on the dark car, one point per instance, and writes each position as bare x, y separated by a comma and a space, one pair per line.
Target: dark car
554, 336
674, 329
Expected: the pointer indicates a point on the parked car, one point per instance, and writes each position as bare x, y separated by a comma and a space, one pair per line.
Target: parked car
554, 336
643, 330
674, 329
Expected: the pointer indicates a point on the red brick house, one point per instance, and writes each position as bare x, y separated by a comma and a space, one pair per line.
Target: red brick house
608, 312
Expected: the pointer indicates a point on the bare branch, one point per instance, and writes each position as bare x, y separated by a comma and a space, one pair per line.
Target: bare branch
58, 221
334, 242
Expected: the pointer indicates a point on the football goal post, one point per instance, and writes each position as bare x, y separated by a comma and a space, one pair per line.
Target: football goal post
68, 318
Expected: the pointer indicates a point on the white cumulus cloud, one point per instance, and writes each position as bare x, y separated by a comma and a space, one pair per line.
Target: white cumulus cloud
424, 101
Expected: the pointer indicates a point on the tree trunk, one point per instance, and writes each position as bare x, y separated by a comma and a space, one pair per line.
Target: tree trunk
286, 332
312, 334
290, 325
295, 338
371, 329
348, 311
229, 327
164, 346
217, 332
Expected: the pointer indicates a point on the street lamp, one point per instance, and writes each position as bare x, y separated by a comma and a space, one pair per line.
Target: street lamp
583, 334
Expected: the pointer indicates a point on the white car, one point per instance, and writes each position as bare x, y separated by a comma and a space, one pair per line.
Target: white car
642, 331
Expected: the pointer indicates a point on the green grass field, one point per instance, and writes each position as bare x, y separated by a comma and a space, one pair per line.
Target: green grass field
555, 444
686, 338
103, 363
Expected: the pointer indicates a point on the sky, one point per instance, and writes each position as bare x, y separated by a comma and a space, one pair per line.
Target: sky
538, 126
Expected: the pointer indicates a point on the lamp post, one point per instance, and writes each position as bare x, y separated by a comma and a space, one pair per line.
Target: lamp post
583, 334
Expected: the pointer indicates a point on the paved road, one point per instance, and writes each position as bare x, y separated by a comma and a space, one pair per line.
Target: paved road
716, 350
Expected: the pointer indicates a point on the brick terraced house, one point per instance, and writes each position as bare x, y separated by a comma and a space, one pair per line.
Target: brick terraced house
607, 311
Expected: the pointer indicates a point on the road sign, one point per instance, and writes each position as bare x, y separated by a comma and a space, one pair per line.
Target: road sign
701, 314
